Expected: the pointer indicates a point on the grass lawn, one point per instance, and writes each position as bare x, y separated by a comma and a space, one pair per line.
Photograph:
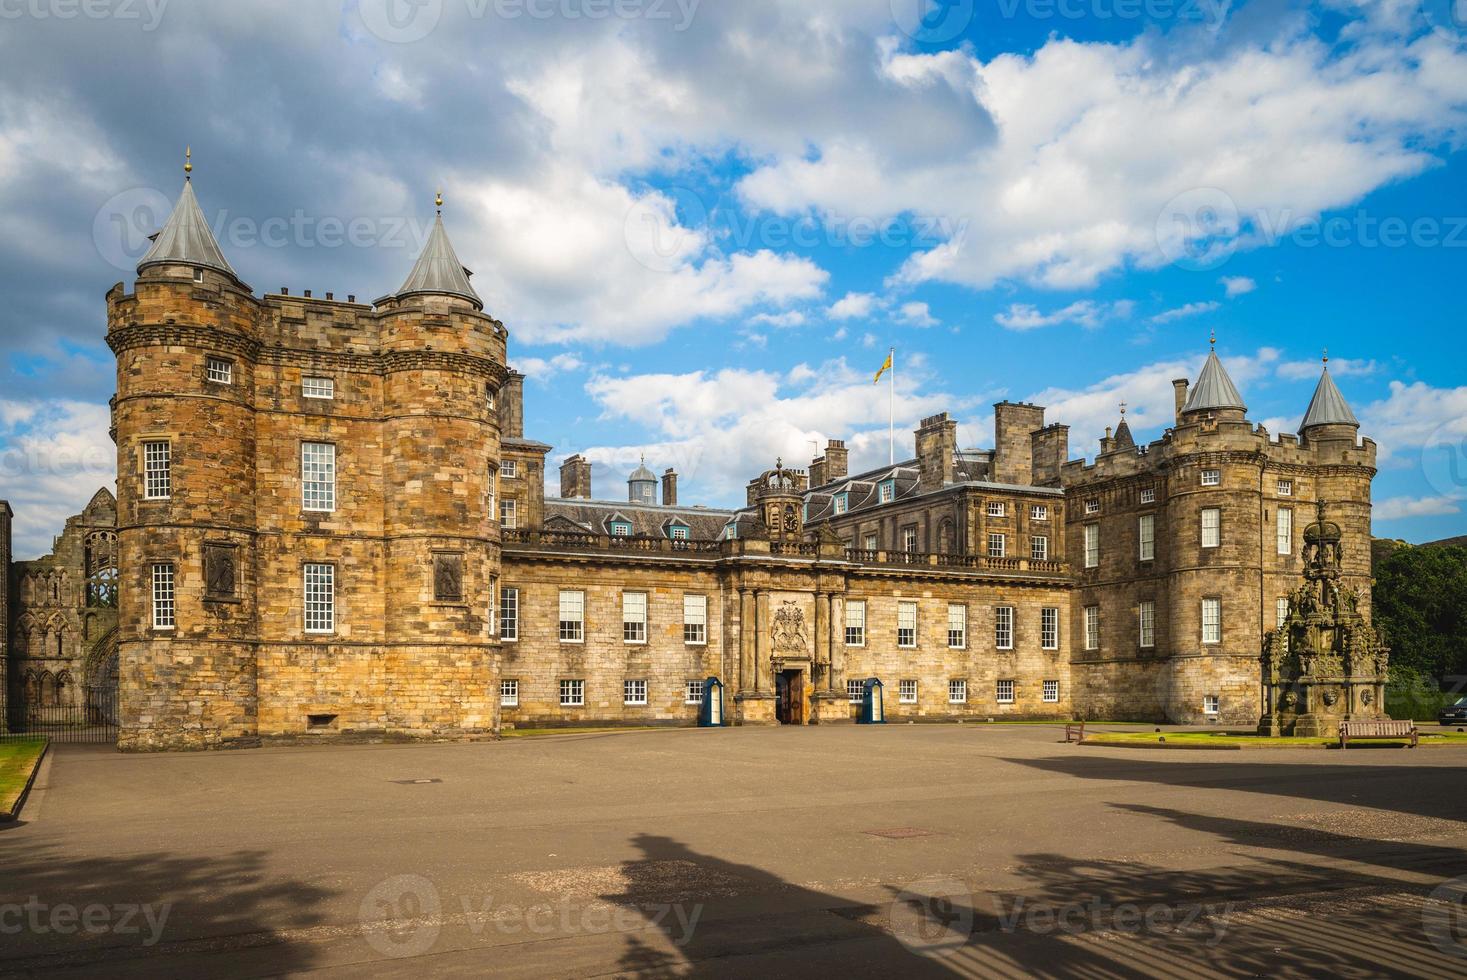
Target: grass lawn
1246, 740
17, 761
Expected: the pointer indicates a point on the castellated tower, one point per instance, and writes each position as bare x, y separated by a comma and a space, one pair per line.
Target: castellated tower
305, 496
1186, 550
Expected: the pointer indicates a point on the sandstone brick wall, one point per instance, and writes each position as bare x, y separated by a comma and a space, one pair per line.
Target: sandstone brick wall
415, 428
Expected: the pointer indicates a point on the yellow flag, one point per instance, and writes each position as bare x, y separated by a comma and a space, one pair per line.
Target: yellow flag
884, 368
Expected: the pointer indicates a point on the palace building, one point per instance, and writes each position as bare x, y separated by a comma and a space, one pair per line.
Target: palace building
330, 524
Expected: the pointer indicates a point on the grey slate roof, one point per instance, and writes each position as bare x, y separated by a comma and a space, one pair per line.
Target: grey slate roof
647, 520
1214, 389
1123, 437
642, 475
186, 238
1328, 406
438, 270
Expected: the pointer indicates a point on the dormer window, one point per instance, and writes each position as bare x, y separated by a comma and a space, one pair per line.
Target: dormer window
621, 529
886, 493
731, 533
841, 503
678, 532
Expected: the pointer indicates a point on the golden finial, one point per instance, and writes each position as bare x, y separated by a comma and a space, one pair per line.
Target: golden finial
438, 201
188, 160
1326, 356
1212, 339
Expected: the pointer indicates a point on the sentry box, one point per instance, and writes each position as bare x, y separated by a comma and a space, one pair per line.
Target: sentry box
873, 709
710, 712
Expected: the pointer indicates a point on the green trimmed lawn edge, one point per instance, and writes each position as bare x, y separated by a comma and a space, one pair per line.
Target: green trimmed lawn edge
18, 764
1237, 740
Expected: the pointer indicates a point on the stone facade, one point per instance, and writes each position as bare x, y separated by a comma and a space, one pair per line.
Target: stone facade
437, 592
7, 516
61, 617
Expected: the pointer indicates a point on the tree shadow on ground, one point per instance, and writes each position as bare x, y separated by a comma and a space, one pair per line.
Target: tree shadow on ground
1435, 791
1292, 915
143, 911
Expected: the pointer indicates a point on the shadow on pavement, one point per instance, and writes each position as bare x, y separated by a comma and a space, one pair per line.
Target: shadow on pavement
57, 911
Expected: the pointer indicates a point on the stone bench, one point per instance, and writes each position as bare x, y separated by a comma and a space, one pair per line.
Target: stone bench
1369, 730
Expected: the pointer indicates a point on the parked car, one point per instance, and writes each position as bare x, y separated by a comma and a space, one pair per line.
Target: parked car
1454, 713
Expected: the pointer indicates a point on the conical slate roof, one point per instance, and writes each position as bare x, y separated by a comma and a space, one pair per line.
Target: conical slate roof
642, 475
1123, 437
186, 238
1214, 389
1328, 407
438, 270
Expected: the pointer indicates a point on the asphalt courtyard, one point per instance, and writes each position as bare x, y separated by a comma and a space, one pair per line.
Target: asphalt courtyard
880, 851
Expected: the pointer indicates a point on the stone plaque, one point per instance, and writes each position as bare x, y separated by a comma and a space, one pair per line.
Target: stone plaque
448, 577
221, 571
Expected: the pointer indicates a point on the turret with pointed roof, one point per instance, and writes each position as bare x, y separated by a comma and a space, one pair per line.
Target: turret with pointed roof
1214, 390
1328, 406
186, 238
438, 270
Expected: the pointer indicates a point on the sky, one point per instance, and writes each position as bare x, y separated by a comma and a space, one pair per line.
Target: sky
704, 222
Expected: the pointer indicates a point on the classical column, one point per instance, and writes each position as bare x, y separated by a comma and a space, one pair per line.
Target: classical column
762, 679
747, 631
837, 645
822, 632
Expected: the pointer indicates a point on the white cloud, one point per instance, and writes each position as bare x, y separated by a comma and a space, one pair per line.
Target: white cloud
1086, 313
1094, 143
1237, 285
1416, 415
917, 315
56, 455
722, 428
543, 369
1396, 508
1182, 312
852, 306
1340, 367
790, 318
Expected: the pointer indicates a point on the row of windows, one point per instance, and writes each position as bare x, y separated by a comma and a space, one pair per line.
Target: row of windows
1210, 478
571, 621
1211, 535
1146, 622
220, 370
957, 691
573, 692
957, 625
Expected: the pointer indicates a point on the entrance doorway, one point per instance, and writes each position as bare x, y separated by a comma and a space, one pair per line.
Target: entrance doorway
791, 700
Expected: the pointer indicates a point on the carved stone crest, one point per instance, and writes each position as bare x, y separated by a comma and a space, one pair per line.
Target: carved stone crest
220, 573
448, 577
789, 631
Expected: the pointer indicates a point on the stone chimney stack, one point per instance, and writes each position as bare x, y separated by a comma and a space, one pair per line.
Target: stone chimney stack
1014, 425
837, 460
575, 478
937, 448
1179, 387
512, 407
669, 488
1051, 450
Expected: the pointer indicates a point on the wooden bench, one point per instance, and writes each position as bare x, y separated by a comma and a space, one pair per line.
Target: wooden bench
1362, 731
1075, 732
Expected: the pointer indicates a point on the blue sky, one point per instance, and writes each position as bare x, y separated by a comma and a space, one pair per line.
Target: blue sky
705, 222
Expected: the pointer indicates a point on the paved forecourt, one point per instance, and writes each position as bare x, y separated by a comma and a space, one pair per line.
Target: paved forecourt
921, 849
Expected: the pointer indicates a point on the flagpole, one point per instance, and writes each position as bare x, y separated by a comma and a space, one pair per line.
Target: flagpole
891, 413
